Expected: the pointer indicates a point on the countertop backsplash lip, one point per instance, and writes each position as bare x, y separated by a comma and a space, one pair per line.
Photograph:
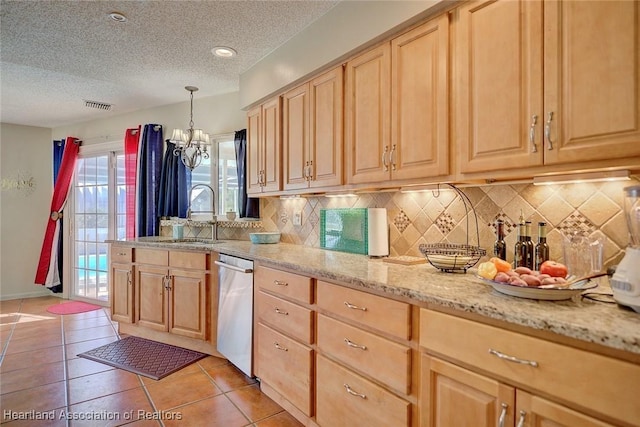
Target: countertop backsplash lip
593, 322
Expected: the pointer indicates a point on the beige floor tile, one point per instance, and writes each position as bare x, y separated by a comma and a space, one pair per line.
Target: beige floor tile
20, 345
190, 369
79, 367
282, 419
253, 403
227, 377
217, 411
75, 324
72, 350
181, 390
42, 398
33, 376
79, 335
101, 384
31, 358
114, 409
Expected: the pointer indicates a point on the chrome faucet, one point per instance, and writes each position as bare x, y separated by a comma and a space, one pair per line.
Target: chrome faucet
214, 224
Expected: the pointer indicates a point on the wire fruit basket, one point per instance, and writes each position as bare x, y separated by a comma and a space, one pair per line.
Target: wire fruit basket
450, 257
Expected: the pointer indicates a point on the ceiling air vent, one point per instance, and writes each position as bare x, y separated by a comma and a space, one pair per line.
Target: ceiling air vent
98, 105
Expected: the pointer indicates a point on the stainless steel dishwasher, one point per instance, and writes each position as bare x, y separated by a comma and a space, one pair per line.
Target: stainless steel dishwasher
235, 311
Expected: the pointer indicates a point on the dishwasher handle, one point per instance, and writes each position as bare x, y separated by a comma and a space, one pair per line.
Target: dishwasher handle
233, 267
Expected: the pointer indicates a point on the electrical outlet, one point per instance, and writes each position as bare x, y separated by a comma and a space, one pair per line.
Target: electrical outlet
297, 218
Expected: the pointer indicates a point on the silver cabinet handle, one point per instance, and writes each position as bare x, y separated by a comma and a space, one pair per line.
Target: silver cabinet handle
280, 283
532, 133
354, 345
392, 157
233, 267
521, 421
284, 313
513, 359
353, 393
503, 415
122, 253
129, 278
167, 281
547, 131
279, 347
354, 307
385, 164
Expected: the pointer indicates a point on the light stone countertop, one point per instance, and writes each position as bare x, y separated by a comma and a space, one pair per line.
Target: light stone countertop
605, 324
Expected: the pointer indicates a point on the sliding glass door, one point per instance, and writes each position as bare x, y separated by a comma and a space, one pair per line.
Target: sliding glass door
98, 214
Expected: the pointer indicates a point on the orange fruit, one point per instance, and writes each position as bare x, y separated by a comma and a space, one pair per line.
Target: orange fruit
501, 265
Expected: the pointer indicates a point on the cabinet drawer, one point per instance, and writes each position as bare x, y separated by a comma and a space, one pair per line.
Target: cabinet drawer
285, 284
384, 360
392, 317
290, 318
605, 384
192, 260
121, 254
287, 367
346, 399
152, 257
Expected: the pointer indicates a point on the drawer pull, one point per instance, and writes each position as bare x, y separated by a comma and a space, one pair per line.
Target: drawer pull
513, 359
280, 283
354, 345
521, 421
353, 393
279, 347
503, 415
122, 254
354, 307
284, 313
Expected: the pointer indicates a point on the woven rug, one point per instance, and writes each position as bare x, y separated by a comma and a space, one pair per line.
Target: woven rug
143, 357
72, 307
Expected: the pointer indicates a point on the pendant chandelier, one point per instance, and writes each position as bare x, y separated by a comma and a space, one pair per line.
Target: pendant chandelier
191, 144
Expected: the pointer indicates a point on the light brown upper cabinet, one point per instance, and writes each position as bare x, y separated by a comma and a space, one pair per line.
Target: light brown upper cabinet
546, 83
396, 107
312, 133
264, 148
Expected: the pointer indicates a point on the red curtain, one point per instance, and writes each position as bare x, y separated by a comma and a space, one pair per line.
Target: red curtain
49, 254
131, 142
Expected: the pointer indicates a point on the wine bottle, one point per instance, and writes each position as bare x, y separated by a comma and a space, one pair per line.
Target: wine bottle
520, 248
500, 247
530, 246
542, 247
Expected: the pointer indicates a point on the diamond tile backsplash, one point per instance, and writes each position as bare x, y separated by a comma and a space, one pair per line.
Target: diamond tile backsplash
592, 209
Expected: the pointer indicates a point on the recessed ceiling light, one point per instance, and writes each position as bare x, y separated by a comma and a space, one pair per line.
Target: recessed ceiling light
223, 52
118, 17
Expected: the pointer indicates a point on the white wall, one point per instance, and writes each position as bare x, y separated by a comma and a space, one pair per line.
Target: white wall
25, 154
348, 27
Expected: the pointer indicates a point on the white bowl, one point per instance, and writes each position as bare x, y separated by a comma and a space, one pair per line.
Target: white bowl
265, 237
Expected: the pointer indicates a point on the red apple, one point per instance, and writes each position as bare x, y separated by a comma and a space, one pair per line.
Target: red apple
553, 269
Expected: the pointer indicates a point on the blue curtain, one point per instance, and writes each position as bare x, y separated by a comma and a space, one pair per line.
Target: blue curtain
247, 207
175, 182
148, 188
58, 149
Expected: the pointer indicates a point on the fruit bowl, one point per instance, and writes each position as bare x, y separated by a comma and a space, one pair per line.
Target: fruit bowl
452, 258
265, 237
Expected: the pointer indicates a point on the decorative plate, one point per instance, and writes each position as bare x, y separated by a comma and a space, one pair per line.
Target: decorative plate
547, 294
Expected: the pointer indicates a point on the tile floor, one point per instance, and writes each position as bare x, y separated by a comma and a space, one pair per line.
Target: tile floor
42, 377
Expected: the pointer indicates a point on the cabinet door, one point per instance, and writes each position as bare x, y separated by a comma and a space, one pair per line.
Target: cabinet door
367, 120
188, 306
121, 276
498, 85
254, 146
453, 396
295, 137
539, 412
272, 140
151, 297
419, 101
592, 80
325, 139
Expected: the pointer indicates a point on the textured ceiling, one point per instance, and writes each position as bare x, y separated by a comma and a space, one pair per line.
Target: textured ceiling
56, 54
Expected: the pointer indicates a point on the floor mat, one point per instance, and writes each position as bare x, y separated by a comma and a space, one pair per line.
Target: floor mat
72, 307
143, 357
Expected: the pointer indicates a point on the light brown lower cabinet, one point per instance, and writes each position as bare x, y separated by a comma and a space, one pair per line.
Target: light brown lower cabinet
344, 398
473, 374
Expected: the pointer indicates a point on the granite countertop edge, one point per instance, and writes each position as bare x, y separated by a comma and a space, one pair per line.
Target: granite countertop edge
608, 325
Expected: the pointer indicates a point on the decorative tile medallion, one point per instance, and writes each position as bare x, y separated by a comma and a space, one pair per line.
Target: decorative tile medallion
576, 223
445, 223
401, 221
